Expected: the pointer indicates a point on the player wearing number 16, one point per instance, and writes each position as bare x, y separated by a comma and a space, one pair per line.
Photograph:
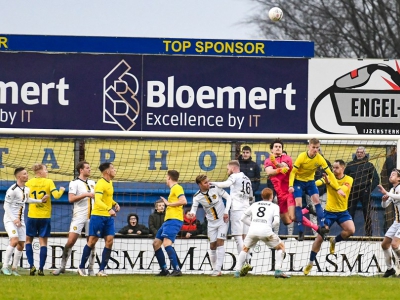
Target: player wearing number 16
39, 214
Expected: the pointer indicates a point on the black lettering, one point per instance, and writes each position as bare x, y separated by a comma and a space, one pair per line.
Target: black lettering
291, 264
358, 260
376, 110
114, 260
206, 257
373, 259
354, 107
332, 263
139, 257
233, 262
364, 107
190, 253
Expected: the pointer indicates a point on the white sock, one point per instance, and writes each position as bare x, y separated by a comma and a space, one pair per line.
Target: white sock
239, 243
66, 254
275, 228
278, 259
290, 228
241, 259
388, 258
17, 258
397, 252
213, 258
248, 256
7, 256
92, 258
220, 258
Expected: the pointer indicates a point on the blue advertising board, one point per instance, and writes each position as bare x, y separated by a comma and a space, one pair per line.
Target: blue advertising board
127, 45
153, 93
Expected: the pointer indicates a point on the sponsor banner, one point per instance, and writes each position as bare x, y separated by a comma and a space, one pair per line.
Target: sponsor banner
351, 96
153, 93
136, 256
128, 45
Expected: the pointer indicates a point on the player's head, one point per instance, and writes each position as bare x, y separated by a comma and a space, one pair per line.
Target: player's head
338, 167
246, 152
203, 182
276, 147
394, 176
172, 176
83, 168
40, 170
233, 167
159, 205
361, 152
267, 194
21, 174
313, 147
108, 170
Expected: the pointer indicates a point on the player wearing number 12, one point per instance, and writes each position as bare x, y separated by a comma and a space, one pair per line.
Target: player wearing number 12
39, 215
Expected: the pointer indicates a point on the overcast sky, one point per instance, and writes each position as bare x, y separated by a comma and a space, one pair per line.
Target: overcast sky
212, 19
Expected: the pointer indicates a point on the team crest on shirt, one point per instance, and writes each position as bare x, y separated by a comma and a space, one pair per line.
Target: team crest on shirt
14, 232
98, 232
75, 228
214, 196
92, 186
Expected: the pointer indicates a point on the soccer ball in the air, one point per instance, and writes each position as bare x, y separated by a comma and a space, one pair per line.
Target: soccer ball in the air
275, 14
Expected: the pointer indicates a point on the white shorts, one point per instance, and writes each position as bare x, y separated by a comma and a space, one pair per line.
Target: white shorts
393, 231
271, 241
237, 226
77, 225
217, 230
14, 231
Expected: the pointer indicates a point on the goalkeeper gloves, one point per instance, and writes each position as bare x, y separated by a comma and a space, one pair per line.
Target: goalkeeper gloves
272, 159
282, 170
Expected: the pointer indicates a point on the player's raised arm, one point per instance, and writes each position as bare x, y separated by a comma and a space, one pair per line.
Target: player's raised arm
223, 184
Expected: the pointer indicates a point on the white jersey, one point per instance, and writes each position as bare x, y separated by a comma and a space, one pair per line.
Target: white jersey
83, 207
262, 215
240, 190
394, 197
14, 203
212, 203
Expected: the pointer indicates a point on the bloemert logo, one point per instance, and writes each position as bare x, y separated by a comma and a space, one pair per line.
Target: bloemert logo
370, 111
120, 105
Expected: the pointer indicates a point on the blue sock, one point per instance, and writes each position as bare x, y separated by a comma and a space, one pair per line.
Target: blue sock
339, 238
161, 259
320, 214
299, 218
43, 256
313, 255
172, 257
29, 254
85, 256
104, 258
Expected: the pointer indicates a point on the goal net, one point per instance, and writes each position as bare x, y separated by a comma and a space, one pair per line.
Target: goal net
142, 161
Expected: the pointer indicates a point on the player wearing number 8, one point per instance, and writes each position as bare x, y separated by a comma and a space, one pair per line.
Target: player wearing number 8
39, 214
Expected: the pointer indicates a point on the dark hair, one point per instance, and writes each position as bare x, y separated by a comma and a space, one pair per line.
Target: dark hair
277, 141
104, 166
340, 162
17, 170
200, 178
173, 174
247, 148
81, 165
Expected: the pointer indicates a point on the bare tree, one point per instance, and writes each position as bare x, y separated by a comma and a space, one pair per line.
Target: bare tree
339, 28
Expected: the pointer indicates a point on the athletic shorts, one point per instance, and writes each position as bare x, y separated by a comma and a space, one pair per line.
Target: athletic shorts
284, 203
217, 230
338, 217
271, 241
393, 231
237, 226
308, 187
40, 227
15, 232
101, 226
169, 229
77, 225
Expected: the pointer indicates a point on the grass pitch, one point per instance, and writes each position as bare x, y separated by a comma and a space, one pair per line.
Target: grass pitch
71, 286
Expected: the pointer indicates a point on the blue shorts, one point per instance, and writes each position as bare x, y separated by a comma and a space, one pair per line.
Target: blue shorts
101, 226
38, 227
308, 187
338, 217
169, 229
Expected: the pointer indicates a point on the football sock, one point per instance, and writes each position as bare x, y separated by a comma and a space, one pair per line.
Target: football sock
29, 254
172, 257
213, 258
220, 257
338, 238
161, 259
396, 251
85, 255
278, 259
104, 258
320, 214
239, 243
249, 256
290, 228
17, 258
241, 259
66, 254
43, 257
313, 255
7, 258
308, 223
92, 258
388, 258
299, 218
